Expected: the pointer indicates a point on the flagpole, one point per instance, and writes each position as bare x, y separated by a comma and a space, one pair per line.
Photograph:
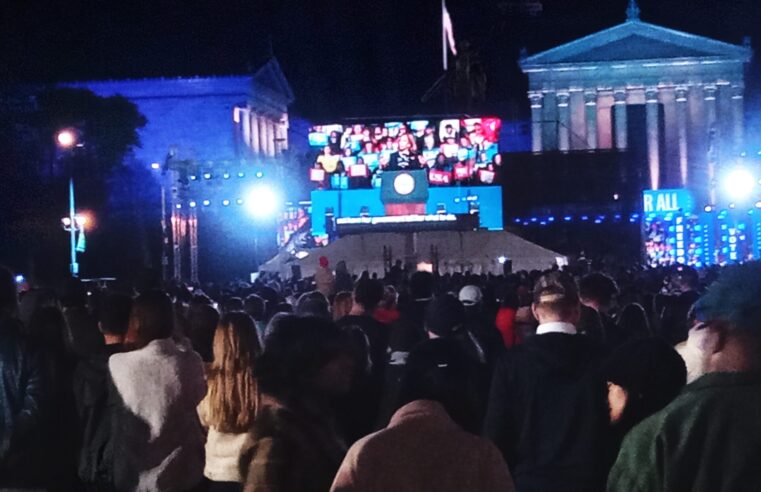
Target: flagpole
443, 36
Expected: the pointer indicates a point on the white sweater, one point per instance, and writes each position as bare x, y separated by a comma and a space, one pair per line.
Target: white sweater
160, 436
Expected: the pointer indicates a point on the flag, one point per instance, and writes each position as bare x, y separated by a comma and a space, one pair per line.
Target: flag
447, 34
81, 241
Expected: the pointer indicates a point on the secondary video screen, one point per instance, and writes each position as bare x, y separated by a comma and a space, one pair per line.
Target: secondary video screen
452, 150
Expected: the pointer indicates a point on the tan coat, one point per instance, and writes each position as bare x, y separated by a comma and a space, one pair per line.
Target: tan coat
423, 449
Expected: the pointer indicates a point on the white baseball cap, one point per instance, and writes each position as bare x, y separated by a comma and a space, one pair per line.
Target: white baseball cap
470, 295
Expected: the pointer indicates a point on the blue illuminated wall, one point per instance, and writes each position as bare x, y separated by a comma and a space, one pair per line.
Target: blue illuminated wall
455, 199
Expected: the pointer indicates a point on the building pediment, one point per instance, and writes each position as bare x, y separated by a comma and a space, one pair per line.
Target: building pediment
271, 88
637, 40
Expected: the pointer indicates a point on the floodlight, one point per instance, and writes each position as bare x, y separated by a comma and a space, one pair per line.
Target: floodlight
739, 183
66, 221
80, 220
502, 260
155, 166
262, 202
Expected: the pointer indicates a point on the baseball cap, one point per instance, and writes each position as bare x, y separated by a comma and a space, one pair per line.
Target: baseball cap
734, 297
470, 295
444, 315
555, 286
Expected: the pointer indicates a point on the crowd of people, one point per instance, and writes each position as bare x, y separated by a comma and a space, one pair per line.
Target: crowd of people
354, 156
572, 380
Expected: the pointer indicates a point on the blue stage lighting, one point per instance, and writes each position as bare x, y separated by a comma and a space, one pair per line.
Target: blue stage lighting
739, 183
192, 204
193, 177
567, 218
241, 174
263, 202
259, 174
19, 279
708, 209
178, 206
206, 175
226, 176
239, 201
584, 217
155, 166
206, 203
225, 202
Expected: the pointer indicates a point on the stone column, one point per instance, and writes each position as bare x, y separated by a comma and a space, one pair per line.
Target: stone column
653, 135
590, 104
245, 121
709, 97
738, 119
254, 143
564, 120
262, 135
619, 113
681, 122
536, 98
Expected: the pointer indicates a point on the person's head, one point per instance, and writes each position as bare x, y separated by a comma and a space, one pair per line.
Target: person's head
324, 263
341, 267
438, 370
342, 304
632, 320
556, 299
368, 293
642, 376
313, 303
421, 285
444, 315
306, 357
8, 293
254, 307
202, 321
390, 297
151, 318
233, 394
114, 317
47, 326
686, 279
232, 304
726, 335
598, 291
470, 296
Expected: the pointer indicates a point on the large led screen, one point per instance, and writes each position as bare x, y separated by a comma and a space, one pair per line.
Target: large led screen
452, 151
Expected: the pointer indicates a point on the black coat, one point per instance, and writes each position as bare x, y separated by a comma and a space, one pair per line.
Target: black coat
93, 392
547, 415
21, 402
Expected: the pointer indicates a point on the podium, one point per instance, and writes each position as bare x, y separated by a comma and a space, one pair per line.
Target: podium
404, 192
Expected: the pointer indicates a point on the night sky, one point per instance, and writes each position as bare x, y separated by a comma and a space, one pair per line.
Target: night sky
343, 58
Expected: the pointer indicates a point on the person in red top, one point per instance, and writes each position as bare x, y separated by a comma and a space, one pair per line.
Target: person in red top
386, 312
505, 321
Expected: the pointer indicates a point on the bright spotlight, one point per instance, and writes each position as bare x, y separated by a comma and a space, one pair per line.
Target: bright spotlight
225, 202
66, 138
262, 202
81, 220
739, 183
155, 166
502, 260
758, 204
708, 208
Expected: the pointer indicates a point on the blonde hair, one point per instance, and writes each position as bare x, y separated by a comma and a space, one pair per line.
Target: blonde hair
233, 397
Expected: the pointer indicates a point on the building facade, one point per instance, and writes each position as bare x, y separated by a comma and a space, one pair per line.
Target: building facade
677, 96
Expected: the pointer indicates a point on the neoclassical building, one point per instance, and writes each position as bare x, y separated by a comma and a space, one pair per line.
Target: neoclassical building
675, 96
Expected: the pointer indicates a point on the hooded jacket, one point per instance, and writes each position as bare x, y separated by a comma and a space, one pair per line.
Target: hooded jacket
547, 415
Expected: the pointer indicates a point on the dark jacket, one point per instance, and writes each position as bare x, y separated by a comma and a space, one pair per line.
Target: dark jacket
21, 393
290, 450
708, 439
93, 392
547, 415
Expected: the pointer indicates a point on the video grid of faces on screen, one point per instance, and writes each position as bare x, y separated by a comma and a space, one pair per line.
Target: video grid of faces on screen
451, 151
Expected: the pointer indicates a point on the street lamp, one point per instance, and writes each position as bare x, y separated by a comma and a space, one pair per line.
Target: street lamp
66, 140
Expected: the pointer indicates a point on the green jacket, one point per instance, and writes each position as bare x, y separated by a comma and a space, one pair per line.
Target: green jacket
708, 439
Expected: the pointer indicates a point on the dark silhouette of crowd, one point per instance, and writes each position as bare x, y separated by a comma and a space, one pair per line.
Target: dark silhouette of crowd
588, 378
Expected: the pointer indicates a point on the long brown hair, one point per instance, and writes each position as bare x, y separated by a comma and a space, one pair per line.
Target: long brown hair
233, 396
